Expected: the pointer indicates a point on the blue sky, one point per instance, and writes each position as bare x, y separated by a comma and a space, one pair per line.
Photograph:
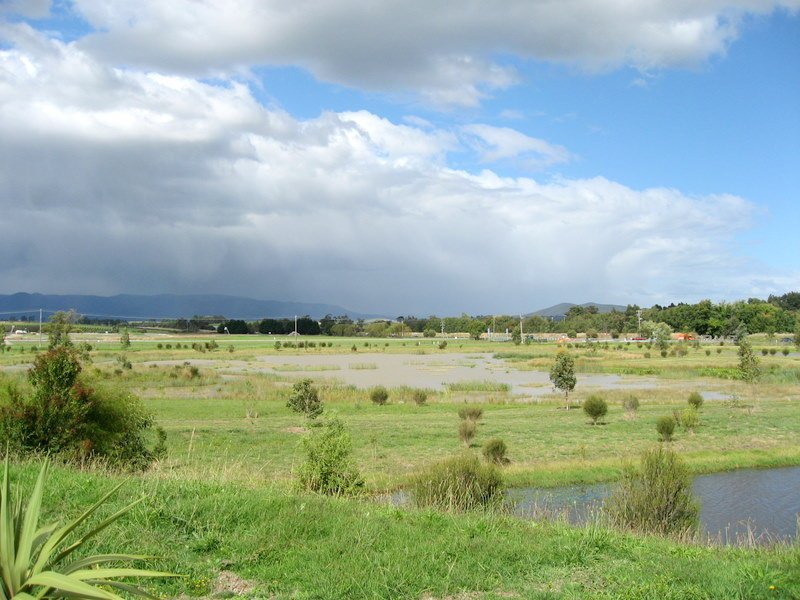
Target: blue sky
403, 159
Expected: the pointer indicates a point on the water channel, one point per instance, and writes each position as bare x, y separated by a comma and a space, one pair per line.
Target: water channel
760, 504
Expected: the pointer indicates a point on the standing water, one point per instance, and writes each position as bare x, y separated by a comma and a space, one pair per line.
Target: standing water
760, 504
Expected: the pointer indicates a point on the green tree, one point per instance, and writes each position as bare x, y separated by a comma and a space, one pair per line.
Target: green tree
749, 368
797, 331
59, 328
305, 399
125, 339
329, 468
658, 332
562, 374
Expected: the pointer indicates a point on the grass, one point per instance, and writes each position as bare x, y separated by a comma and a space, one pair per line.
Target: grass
289, 545
478, 386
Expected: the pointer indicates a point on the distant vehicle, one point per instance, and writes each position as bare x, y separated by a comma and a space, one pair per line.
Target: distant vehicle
638, 339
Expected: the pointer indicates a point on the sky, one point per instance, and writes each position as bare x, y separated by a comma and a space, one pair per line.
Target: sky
402, 157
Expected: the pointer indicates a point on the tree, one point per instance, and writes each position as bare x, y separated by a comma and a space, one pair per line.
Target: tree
658, 332
59, 328
749, 369
562, 374
797, 331
125, 339
305, 399
595, 407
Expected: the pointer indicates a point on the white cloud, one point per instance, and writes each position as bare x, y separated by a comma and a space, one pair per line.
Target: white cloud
117, 180
32, 9
444, 51
499, 143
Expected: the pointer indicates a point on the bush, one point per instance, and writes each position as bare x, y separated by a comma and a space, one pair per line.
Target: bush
708, 352
696, 400
656, 498
764, 351
495, 451
379, 395
458, 483
420, 397
647, 355
785, 352
305, 399
329, 468
64, 416
663, 354
470, 413
466, 431
429, 333
631, 403
665, 427
595, 407
690, 418
442, 345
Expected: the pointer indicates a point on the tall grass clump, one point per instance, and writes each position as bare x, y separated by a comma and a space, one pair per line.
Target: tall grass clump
470, 413
495, 451
630, 404
696, 400
458, 483
329, 467
467, 429
379, 395
656, 497
665, 426
420, 397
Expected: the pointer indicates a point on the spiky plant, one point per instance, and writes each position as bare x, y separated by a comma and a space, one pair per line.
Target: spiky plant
35, 562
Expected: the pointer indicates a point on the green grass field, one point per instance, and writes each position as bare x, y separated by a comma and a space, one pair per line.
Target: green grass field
224, 499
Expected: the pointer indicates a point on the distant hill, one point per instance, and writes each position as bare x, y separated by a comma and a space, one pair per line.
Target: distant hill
168, 306
559, 311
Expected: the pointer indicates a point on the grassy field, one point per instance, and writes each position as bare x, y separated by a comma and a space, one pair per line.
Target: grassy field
224, 511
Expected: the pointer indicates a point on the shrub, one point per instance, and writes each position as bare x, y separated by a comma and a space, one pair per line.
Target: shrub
656, 498
64, 416
442, 345
708, 352
764, 351
328, 468
379, 395
466, 431
420, 397
785, 352
458, 483
495, 451
696, 400
429, 333
305, 399
631, 403
470, 413
36, 562
159, 345
665, 427
595, 407
690, 418
647, 355
719, 350
663, 354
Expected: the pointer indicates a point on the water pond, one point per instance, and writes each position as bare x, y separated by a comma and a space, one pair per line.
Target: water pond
760, 503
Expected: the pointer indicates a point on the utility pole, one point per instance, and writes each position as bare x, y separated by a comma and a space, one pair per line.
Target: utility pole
639, 318
295, 324
521, 335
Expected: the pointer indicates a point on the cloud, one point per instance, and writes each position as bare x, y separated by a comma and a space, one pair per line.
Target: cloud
117, 180
446, 53
31, 9
500, 143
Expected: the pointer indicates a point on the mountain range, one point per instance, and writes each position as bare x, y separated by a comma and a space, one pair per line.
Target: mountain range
167, 306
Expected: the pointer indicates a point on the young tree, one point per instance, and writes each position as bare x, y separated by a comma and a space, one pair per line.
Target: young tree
749, 368
125, 339
305, 399
658, 332
59, 328
797, 331
562, 374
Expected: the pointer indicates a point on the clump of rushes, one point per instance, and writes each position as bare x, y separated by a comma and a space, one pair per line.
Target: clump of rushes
36, 562
631, 404
420, 397
665, 426
458, 483
467, 430
470, 413
495, 451
696, 400
379, 395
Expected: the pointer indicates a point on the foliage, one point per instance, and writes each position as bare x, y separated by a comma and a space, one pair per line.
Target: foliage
690, 418
329, 468
420, 397
35, 563
467, 430
696, 400
461, 482
471, 413
658, 332
665, 426
379, 395
562, 374
125, 339
749, 369
63, 415
59, 328
495, 451
656, 498
630, 403
595, 407
305, 399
